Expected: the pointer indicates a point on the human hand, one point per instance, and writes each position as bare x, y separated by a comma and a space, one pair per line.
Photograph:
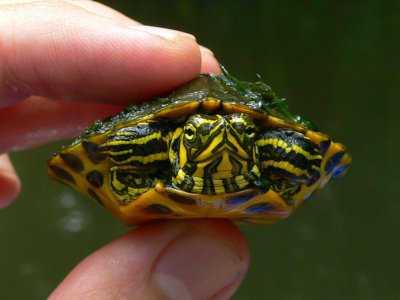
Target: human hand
91, 55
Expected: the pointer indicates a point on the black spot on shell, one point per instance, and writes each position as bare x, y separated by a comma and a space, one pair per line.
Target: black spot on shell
61, 173
260, 207
333, 161
95, 178
158, 209
94, 195
92, 152
181, 199
73, 162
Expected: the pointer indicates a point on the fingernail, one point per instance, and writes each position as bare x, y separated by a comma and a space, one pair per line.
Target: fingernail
197, 266
206, 51
209, 64
164, 32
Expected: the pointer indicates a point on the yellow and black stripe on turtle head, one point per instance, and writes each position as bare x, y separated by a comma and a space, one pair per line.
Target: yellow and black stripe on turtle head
139, 154
214, 154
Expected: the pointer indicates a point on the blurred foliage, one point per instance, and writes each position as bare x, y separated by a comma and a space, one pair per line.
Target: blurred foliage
337, 63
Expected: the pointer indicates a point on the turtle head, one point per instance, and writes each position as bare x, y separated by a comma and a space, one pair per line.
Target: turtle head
207, 137
214, 150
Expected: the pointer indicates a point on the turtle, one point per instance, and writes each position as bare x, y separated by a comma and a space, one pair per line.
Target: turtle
216, 147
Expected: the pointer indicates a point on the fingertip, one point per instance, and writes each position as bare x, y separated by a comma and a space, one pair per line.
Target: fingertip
209, 259
199, 259
91, 58
209, 64
9, 182
227, 232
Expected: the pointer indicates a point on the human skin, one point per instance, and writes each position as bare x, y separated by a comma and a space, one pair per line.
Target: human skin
56, 59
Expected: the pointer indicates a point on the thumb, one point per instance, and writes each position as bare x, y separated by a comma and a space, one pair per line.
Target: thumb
195, 259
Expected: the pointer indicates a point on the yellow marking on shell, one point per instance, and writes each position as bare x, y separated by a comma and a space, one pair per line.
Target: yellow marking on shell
82, 185
179, 110
276, 122
211, 104
318, 137
234, 108
282, 144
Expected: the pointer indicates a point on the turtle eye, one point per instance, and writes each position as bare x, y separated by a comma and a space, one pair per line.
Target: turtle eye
190, 132
250, 131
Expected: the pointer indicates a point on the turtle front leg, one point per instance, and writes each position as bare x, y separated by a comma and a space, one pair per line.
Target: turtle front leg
289, 160
139, 155
129, 185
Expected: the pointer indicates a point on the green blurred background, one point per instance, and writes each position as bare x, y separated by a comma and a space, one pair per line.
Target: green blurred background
338, 64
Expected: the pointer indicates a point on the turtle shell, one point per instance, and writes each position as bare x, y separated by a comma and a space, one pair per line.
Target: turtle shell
87, 169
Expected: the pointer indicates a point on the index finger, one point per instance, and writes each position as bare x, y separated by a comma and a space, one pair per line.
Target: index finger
61, 50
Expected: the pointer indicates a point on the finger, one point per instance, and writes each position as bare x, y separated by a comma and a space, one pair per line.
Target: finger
48, 56
197, 259
102, 10
9, 182
209, 62
37, 121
